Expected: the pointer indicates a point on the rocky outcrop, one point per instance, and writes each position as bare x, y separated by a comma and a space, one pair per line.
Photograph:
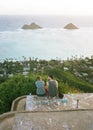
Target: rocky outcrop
70, 26
31, 26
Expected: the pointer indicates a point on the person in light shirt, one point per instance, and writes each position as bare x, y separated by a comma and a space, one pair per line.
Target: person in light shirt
40, 85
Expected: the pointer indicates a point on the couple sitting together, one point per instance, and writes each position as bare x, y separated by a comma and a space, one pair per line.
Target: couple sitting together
50, 89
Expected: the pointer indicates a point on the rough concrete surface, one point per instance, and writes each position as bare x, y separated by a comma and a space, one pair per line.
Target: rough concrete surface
63, 120
50, 114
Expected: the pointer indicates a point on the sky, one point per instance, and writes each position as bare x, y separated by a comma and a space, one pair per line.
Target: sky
48, 7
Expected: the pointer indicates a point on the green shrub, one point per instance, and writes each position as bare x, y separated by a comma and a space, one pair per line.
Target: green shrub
13, 88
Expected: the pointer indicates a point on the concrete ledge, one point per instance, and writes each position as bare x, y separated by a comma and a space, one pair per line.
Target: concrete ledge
54, 120
7, 120
15, 103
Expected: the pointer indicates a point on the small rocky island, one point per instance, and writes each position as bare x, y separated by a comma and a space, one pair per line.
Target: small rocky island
31, 26
70, 26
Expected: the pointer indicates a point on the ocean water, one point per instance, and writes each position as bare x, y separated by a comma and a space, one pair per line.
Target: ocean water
53, 41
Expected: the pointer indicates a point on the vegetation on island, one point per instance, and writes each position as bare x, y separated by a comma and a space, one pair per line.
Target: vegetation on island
31, 26
17, 78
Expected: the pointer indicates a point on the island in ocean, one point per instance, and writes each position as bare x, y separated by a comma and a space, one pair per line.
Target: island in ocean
71, 26
31, 26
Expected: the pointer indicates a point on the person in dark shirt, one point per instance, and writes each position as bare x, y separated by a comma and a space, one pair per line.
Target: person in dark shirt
52, 86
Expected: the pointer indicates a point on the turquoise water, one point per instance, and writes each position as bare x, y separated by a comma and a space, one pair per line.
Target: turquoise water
48, 43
